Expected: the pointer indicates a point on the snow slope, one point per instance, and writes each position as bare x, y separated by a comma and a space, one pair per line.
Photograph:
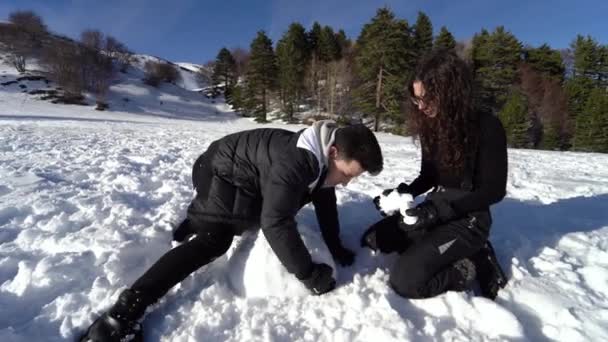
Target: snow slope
191, 76
128, 97
88, 199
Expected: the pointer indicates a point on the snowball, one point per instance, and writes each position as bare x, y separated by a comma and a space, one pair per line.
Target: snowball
396, 201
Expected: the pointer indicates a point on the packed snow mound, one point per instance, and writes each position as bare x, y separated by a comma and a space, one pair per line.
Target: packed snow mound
255, 271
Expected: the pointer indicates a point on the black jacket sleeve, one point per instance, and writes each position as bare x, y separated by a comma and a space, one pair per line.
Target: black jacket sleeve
491, 169
281, 196
326, 210
425, 180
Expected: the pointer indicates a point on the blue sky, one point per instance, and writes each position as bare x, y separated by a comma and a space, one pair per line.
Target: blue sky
195, 30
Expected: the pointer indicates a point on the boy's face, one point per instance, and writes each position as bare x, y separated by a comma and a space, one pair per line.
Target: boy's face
341, 171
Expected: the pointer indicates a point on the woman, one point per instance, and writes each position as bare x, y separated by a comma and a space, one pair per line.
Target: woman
464, 160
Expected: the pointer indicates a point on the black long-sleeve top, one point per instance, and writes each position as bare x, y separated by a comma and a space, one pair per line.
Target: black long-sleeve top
489, 172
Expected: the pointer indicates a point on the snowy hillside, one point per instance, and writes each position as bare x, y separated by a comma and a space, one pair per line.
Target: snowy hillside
188, 72
88, 199
129, 98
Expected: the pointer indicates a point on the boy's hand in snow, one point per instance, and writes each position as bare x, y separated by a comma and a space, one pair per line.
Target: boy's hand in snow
321, 280
343, 256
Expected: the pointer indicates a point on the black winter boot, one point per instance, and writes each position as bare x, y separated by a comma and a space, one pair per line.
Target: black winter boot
120, 322
490, 275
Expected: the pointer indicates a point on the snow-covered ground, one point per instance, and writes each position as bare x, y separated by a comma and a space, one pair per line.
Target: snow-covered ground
88, 199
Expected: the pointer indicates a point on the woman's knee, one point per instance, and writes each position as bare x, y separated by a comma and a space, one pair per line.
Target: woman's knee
411, 273
408, 279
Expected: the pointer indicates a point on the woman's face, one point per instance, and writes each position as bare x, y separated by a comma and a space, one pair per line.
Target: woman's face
428, 107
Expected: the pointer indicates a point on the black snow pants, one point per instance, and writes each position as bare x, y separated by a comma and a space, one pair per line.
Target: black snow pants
424, 267
212, 240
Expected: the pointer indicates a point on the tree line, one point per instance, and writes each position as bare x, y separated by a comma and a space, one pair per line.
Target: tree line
546, 98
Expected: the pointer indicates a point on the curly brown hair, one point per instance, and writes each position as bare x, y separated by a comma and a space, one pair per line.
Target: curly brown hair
451, 137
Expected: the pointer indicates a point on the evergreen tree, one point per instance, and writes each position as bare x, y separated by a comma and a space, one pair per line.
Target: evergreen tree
445, 40
551, 137
514, 117
313, 38
506, 55
243, 99
577, 89
590, 60
585, 56
251, 102
479, 49
592, 124
291, 59
262, 73
343, 43
384, 55
314, 71
237, 98
480, 58
423, 35
546, 61
587, 74
603, 66
224, 71
328, 46
495, 58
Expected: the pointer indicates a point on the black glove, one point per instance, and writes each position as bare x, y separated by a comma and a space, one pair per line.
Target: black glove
343, 256
369, 239
376, 201
320, 280
430, 213
402, 188
427, 216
